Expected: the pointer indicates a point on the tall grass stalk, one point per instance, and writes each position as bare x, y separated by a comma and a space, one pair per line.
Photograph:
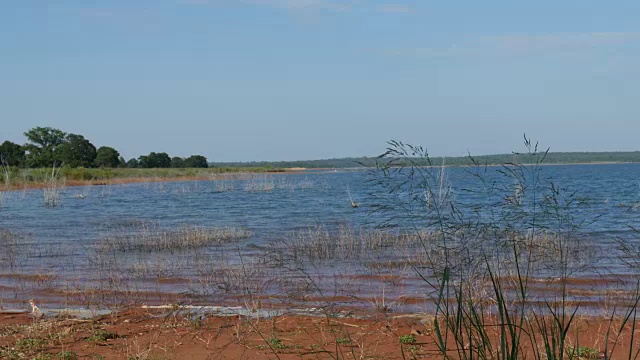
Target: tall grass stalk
525, 232
150, 238
6, 178
52, 187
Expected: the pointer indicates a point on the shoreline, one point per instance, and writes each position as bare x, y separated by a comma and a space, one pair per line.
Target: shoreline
120, 180
143, 179
175, 332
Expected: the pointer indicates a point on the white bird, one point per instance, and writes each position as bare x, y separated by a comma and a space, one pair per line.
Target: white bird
35, 311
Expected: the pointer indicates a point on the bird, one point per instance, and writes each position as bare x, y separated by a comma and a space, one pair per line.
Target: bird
35, 311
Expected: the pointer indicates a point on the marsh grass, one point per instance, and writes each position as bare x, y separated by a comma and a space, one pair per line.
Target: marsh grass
260, 183
268, 183
152, 238
224, 186
21, 178
6, 180
345, 243
52, 186
10, 254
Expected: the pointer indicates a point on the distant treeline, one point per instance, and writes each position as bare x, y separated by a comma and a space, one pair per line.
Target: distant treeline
48, 147
552, 158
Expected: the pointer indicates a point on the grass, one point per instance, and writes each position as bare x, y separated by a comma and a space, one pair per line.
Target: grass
102, 335
276, 344
407, 339
345, 243
67, 355
583, 352
483, 268
18, 178
150, 238
31, 344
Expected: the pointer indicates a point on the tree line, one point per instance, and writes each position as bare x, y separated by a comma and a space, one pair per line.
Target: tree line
497, 159
48, 147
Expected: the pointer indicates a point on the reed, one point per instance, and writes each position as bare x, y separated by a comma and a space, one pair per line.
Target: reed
152, 238
260, 183
345, 243
10, 244
6, 180
224, 185
52, 187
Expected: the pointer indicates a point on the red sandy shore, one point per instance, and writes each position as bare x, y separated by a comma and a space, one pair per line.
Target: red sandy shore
139, 333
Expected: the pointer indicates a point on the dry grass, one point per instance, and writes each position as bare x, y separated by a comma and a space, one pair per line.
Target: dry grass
152, 238
52, 186
346, 243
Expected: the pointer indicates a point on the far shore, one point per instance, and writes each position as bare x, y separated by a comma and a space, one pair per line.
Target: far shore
125, 176
239, 172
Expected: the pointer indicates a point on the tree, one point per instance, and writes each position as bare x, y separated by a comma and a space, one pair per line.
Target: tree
12, 154
196, 161
155, 160
177, 162
76, 151
133, 163
42, 145
107, 157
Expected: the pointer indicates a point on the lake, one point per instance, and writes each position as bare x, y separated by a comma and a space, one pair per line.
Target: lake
50, 252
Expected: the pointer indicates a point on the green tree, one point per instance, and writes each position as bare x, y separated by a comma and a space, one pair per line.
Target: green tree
155, 160
12, 154
76, 151
133, 163
177, 162
196, 161
42, 143
107, 157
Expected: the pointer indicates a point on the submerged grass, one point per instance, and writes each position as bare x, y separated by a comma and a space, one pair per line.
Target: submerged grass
321, 244
155, 239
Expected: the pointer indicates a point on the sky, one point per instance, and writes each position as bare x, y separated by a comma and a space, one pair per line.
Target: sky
245, 80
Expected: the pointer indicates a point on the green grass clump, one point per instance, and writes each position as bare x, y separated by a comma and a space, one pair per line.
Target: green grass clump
31, 344
102, 335
276, 344
44, 356
583, 352
10, 354
407, 339
67, 355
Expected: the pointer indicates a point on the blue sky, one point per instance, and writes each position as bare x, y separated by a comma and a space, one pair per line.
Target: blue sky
240, 80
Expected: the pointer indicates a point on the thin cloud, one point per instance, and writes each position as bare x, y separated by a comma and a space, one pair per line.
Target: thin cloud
283, 4
324, 5
393, 8
96, 13
303, 4
558, 42
521, 45
195, 2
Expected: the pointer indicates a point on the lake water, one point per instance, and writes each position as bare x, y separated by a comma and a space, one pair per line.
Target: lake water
273, 207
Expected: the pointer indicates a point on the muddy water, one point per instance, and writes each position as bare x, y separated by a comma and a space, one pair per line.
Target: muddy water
51, 254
